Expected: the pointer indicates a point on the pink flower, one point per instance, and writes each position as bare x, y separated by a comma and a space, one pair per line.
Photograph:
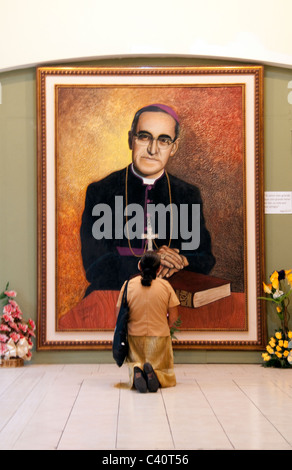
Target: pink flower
3, 349
8, 309
31, 324
3, 338
4, 328
28, 356
13, 325
15, 337
17, 314
10, 293
13, 303
7, 317
23, 327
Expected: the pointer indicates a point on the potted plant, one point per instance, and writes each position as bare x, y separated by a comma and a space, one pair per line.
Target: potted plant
16, 335
279, 349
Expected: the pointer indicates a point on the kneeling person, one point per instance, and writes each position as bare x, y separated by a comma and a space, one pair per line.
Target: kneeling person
152, 310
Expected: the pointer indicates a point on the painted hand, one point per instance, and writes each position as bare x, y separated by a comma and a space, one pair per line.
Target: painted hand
171, 261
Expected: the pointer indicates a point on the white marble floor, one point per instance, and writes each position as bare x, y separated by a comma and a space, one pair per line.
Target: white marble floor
217, 407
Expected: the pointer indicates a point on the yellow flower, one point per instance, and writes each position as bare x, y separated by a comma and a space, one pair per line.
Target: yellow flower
285, 344
279, 355
289, 277
270, 350
281, 342
266, 357
290, 334
274, 280
272, 343
278, 348
278, 335
285, 353
267, 288
279, 309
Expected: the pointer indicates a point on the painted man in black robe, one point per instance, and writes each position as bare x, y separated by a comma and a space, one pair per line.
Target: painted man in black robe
110, 249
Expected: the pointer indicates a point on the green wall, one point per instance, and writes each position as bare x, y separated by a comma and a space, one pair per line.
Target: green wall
18, 196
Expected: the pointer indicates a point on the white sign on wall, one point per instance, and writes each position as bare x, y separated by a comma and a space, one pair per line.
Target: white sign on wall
278, 202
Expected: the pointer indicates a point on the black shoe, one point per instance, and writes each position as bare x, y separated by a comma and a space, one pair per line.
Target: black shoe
139, 380
151, 378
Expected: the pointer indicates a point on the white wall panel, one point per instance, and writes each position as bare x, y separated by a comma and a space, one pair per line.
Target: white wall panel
37, 32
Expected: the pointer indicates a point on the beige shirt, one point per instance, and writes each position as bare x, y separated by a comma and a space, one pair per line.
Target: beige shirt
149, 307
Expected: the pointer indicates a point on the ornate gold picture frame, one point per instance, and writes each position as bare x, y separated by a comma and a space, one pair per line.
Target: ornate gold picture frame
84, 115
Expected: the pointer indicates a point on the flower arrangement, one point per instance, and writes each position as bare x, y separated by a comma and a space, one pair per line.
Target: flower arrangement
15, 334
279, 350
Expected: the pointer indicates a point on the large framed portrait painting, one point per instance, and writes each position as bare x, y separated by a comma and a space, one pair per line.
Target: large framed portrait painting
98, 212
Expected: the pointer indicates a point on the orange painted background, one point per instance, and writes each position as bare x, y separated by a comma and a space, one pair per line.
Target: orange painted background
92, 125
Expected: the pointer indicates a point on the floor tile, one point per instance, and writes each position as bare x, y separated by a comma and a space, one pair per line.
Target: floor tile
88, 406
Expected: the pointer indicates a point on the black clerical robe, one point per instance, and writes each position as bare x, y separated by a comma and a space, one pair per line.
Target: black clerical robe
108, 262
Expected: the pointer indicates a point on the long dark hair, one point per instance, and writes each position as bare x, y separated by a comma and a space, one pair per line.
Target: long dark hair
149, 265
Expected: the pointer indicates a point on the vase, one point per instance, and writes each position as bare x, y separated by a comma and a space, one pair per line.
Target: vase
13, 362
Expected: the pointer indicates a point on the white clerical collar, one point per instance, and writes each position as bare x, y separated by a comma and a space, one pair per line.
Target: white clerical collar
148, 181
